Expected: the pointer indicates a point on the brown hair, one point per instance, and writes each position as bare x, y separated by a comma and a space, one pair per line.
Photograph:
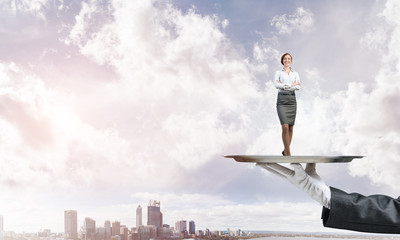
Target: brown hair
284, 56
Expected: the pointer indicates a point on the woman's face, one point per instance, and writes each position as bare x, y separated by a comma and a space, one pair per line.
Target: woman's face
287, 60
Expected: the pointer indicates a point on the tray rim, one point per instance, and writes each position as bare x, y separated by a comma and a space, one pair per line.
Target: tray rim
293, 159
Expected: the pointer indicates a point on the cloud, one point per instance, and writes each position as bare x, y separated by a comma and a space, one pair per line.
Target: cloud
45, 144
302, 20
22, 121
178, 78
85, 22
374, 130
261, 52
182, 201
170, 107
188, 130
33, 7
376, 39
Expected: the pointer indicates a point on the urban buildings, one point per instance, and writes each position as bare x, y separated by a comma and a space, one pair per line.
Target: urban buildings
116, 228
124, 233
180, 226
154, 215
89, 229
71, 224
138, 216
155, 229
192, 228
107, 229
116, 231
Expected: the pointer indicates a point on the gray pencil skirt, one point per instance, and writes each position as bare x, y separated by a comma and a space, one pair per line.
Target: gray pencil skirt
286, 107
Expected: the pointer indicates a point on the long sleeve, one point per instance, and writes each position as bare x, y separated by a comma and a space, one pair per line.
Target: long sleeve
375, 213
277, 82
284, 82
292, 88
296, 87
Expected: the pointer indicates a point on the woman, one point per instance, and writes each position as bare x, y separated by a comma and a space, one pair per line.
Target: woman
287, 81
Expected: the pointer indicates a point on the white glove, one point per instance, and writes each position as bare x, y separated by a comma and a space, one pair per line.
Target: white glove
308, 180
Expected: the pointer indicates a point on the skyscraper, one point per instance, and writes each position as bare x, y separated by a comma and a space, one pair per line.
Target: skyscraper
116, 228
107, 229
89, 229
124, 233
71, 224
154, 215
138, 216
180, 226
192, 227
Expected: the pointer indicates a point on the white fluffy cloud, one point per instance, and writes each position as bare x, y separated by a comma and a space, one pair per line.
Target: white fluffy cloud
170, 107
376, 39
371, 126
302, 20
34, 7
177, 72
45, 143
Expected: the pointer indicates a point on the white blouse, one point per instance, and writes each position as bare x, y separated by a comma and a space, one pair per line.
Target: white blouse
284, 81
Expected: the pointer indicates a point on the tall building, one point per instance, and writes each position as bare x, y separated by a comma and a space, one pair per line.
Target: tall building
208, 232
138, 216
116, 228
180, 226
154, 215
89, 229
71, 224
192, 227
100, 233
147, 232
124, 233
107, 229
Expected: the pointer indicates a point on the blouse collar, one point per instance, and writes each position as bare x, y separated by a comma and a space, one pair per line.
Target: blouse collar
283, 69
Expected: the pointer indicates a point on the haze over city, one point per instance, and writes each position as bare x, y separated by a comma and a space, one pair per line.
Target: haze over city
107, 104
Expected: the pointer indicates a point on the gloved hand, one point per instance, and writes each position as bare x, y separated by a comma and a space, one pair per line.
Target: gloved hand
308, 180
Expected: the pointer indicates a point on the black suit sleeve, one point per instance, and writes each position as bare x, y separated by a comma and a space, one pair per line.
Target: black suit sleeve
375, 214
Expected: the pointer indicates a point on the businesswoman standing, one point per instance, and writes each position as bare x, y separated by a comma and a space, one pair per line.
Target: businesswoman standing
287, 81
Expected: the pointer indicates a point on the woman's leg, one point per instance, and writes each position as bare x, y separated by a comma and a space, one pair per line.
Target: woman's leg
290, 133
286, 139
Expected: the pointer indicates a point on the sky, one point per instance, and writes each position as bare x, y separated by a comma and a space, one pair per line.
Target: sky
105, 105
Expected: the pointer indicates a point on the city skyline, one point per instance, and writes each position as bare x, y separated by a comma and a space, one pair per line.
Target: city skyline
89, 228
71, 220
92, 231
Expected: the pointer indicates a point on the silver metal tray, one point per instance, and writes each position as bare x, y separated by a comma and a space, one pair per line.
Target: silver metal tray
292, 159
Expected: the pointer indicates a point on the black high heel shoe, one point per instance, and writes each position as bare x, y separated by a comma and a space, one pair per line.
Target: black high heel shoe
283, 153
